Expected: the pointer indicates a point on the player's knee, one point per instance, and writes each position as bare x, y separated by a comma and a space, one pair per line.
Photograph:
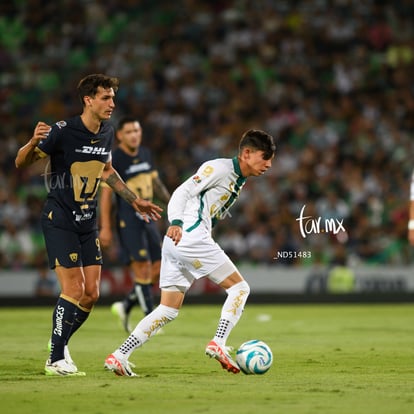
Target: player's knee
94, 297
243, 287
89, 298
73, 291
246, 287
169, 313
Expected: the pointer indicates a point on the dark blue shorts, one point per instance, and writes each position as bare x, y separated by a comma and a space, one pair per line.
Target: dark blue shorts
71, 249
140, 241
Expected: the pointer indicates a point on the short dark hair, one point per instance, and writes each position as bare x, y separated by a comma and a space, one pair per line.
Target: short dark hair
125, 120
260, 141
88, 86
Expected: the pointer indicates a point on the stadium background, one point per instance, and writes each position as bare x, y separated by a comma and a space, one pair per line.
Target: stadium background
332, 80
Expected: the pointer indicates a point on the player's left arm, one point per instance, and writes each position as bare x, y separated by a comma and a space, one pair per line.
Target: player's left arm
143, 207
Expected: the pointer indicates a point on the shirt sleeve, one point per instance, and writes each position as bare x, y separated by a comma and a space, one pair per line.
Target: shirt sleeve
47, 145
207, 176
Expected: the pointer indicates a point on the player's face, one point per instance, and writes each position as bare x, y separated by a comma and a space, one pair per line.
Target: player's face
253, 163
130, 135
102, 104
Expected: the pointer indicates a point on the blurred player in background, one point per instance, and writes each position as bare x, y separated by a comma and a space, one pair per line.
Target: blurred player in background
411, 213
80, 157
140, 241
189, 251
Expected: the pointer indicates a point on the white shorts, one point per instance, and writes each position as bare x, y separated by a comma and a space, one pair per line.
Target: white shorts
197, 255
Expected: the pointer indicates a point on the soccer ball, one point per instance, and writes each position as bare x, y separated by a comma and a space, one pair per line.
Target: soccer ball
254, 357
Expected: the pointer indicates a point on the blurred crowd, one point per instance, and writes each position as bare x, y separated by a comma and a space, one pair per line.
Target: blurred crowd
330, 79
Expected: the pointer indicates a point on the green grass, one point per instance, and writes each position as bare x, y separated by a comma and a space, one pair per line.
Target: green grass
327, 359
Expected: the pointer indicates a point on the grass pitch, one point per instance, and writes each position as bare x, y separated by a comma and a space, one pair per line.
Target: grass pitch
327, 359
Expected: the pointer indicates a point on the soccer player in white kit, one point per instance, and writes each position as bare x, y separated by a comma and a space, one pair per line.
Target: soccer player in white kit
189, 251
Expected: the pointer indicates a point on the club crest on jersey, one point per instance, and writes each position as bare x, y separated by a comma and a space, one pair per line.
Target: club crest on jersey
86, 149
197, 179
61, 124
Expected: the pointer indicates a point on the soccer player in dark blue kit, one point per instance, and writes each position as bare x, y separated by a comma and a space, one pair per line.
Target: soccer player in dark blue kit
80, 157
140, 241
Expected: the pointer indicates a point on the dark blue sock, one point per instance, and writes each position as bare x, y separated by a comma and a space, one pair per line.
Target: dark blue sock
62, 324
130, 301
144, 295
80, 317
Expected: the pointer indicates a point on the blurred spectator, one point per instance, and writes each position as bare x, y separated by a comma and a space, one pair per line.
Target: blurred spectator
233, 242
259, 244
16, 246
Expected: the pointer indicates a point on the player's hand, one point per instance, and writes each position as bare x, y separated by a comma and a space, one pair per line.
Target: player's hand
175, 233
105, 237
41, 131
147, 209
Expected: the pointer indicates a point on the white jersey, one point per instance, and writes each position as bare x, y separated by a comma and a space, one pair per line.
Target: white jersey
206, 197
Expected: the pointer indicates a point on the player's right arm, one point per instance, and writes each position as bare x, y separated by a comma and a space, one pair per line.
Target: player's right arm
206, 177
105, 208
28, 154
146, 208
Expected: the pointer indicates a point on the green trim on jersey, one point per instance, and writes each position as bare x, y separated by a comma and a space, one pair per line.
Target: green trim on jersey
177, 223
236, 166
200, 212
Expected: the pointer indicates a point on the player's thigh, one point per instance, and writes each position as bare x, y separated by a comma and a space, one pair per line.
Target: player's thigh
90, 249
71, 281
172, 271
203, 256
226, 275
92, 280
63, 246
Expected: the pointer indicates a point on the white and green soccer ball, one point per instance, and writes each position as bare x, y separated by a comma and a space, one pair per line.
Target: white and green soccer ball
254, 357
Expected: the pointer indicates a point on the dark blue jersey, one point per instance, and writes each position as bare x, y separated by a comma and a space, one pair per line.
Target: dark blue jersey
77, 159
138, 172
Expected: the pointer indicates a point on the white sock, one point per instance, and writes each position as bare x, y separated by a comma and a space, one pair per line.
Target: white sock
145, 329
223, 331
231, 311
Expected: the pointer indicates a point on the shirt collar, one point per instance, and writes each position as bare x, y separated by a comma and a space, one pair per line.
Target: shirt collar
236, 166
